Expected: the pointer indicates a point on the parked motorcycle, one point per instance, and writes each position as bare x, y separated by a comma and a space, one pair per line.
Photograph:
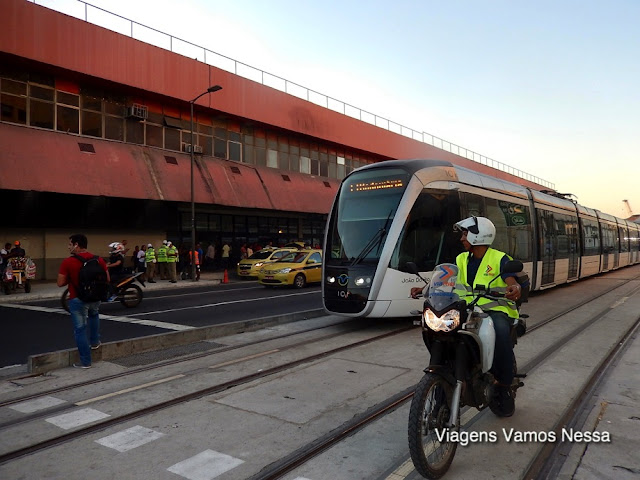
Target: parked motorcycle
460, 338
125, 291
18, 274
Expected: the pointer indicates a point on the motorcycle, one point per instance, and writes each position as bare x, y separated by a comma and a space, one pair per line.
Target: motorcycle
18, 274
125, 291
460, 338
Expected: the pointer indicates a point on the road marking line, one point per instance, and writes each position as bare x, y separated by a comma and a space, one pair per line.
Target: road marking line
139, 321
127, 390
77, 418
619, 302
250, 357
225, 303
30, 406
205, 465
130, 438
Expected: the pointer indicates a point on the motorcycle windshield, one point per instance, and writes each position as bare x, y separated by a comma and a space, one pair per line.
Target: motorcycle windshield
444, 289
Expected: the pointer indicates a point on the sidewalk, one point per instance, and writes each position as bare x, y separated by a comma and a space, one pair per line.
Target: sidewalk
47, 289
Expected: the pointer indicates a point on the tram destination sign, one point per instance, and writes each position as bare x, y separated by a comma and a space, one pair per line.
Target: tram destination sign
376, 185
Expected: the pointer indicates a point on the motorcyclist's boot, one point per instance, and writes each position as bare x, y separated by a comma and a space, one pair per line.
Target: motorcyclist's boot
503, 398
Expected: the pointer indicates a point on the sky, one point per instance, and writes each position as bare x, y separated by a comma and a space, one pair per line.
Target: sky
548, 87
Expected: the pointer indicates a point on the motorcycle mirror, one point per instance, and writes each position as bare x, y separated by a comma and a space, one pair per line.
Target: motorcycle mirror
513, 266
413, 268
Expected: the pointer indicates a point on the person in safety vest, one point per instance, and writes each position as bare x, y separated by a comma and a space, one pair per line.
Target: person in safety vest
479, 265
161, 255
172, 258
150, 258
197, 263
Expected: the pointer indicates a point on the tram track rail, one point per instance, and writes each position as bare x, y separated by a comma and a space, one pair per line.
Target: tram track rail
312, 449
319, 445
112, 421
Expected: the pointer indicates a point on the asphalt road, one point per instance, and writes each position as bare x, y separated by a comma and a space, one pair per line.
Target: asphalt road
42, 326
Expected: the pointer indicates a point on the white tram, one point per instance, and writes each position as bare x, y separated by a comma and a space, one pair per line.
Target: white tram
389, 213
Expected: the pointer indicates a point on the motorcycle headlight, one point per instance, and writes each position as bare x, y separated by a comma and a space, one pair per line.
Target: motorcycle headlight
447, 322
284, 270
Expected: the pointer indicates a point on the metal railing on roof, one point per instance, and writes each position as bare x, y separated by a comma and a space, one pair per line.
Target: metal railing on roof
117, 23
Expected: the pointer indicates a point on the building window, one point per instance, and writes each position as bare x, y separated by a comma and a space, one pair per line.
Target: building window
172, 139
13, 109
135, 131
92, 124
113, 127
235, 151
154, 135
41, 114
305, 165
272, 158
219, 147
67, 119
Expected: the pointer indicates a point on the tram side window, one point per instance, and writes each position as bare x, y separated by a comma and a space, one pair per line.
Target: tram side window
609, 242
566, 235
427, 237
623, 234
513, 228
591, 237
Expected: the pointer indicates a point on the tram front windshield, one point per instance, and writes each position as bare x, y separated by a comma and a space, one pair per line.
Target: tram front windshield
363, 212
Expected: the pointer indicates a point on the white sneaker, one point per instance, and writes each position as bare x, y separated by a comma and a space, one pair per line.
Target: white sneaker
79, 365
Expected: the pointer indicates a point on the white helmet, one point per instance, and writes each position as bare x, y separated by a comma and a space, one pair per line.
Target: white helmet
480, 230
149, 246
164, 242
116, 247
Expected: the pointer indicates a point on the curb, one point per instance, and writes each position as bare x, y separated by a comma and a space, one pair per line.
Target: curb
46, 362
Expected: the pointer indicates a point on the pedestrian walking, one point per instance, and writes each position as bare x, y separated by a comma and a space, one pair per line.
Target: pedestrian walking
84, 312
150, 258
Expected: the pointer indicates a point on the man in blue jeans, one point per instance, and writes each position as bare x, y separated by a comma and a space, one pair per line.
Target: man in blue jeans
82, 313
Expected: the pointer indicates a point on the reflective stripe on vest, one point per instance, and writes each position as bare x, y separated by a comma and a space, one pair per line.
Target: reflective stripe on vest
488, 270
162, 255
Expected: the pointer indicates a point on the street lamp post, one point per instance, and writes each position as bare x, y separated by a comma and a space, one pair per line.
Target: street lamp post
212, 89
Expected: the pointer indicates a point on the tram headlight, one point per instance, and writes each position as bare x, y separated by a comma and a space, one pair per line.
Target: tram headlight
446, 323
331, 279
362, 280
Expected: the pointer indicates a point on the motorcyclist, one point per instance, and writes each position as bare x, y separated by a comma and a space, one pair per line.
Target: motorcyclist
116, 262
479, 265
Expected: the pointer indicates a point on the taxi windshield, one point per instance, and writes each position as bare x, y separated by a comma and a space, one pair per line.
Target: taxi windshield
294, 257
261, 255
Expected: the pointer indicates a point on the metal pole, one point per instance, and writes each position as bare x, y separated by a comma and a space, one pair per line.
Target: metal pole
193, 206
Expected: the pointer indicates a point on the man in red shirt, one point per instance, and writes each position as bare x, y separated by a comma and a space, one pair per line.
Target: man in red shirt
82, 313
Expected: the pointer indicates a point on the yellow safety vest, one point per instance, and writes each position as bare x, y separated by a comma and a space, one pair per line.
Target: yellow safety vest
150, 255
172, 254
488, 270
162, 254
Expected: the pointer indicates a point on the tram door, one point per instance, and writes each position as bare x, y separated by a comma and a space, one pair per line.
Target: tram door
571, 228
548, 246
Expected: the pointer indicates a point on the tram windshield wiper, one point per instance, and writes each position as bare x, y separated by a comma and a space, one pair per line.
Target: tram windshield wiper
375, 241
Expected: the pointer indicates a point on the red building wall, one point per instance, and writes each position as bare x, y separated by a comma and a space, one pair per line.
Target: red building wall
37, 33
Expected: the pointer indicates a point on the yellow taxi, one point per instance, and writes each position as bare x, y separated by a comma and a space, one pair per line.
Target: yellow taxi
296, 268
249, 267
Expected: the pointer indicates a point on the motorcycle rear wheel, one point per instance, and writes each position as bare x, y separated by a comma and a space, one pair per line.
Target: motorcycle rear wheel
429, 413
131, 296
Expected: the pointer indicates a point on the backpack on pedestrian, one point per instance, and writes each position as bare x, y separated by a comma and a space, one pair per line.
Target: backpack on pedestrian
92, 280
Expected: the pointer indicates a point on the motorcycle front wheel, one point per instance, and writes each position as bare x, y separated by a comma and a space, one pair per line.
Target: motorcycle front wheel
432, 448
131, 296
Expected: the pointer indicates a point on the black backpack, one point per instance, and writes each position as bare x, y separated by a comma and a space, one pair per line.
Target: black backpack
92, 280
